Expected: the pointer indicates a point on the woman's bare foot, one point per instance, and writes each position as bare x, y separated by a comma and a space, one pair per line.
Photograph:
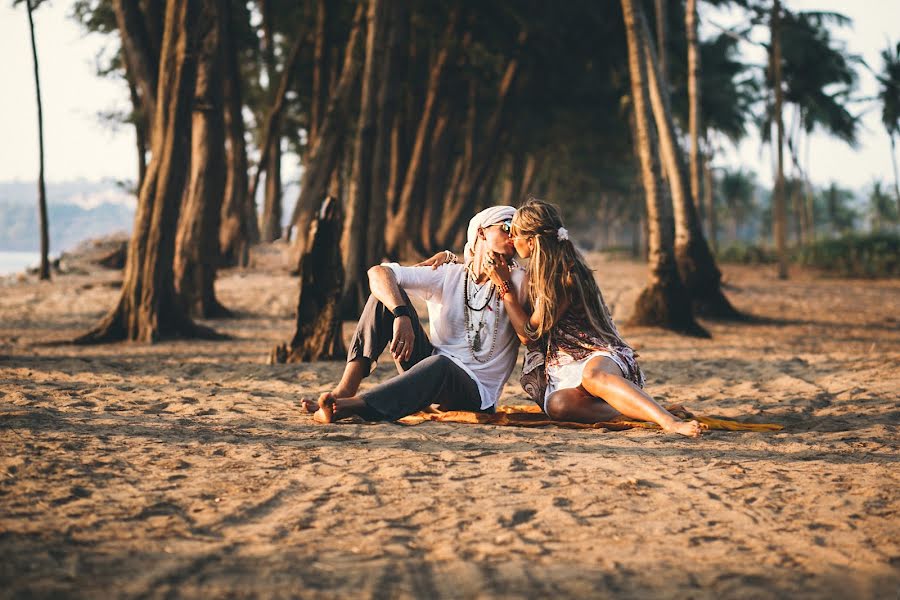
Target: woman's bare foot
685, 428
326, 410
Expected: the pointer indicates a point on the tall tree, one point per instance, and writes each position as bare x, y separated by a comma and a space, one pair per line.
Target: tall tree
779, 213
239, 228
320, 70
44, 272
270, 143
148, 308
665, 301
662, 25
196, 243
397, 241
270, 227
323, 158
693, 67
889, 95
359, 194
387, 115
696, 264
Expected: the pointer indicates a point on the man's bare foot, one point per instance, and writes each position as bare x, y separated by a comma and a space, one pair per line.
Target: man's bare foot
325, 412
685, 428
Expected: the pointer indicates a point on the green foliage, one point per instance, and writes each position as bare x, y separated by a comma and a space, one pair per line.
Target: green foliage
745, 254
819, 75
873, 255
882, 207
889, 92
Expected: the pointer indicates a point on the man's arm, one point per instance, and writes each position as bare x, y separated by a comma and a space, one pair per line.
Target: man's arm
384, 286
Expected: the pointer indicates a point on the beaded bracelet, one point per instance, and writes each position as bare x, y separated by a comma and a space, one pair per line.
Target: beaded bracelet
504, 288
451, 258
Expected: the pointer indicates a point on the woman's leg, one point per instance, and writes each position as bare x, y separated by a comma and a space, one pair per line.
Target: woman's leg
603, 378
575, 405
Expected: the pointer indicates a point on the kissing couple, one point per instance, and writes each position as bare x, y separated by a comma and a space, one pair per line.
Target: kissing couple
577, 367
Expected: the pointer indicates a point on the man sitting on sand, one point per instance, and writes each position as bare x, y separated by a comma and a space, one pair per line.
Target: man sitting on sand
471, 350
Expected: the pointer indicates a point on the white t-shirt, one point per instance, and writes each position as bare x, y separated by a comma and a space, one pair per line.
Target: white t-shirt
442, 289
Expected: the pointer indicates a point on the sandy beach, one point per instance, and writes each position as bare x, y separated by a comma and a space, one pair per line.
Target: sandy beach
186, 469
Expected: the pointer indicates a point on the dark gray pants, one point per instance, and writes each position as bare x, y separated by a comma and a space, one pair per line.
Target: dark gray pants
424, 379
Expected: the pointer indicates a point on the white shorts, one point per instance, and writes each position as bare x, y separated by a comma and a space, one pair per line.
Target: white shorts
569, 375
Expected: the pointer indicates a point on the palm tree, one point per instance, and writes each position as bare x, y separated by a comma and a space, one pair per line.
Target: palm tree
779, 216
44, 272
819, 79
694, 91
882, 211
665, 301
696, 264
736, 188
841, 216
889, 95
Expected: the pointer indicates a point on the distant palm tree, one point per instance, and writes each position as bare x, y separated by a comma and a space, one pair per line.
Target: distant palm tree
882, 211
819, 81
42, 192
837, 201
889, 95
736, 188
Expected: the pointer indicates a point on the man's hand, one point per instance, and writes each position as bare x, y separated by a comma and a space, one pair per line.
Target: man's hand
404, 337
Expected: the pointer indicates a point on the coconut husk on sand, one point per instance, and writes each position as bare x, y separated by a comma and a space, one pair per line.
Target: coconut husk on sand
187, 468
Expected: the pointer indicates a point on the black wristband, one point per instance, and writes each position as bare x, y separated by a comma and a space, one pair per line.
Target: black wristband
400, 311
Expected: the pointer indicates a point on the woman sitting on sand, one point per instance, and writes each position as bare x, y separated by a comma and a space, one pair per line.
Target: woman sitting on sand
577, 367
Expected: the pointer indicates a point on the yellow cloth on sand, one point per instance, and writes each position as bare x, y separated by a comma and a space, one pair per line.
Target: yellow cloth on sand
533, 416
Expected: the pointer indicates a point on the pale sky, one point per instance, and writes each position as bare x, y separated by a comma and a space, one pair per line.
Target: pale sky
79, 146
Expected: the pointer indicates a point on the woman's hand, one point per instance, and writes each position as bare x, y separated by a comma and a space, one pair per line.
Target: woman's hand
497, 269
441, 258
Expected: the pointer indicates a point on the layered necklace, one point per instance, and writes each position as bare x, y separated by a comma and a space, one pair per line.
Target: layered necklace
474, 330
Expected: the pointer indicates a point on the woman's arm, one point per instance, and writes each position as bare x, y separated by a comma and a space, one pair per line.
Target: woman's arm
519, 316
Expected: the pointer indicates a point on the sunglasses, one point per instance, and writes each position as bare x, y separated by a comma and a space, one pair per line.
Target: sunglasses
505, 226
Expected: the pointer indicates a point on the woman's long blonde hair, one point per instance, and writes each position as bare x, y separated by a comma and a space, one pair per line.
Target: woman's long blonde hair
557, 272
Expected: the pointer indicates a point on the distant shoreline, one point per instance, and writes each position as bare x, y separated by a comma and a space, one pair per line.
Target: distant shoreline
12, 262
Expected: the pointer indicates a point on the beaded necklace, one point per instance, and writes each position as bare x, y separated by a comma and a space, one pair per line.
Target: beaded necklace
473, 332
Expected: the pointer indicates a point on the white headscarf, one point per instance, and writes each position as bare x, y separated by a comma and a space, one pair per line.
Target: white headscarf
486, 218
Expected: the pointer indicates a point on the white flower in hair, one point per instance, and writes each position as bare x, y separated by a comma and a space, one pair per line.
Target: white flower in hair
562, 234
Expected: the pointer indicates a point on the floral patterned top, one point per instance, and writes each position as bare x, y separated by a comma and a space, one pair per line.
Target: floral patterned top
571, 339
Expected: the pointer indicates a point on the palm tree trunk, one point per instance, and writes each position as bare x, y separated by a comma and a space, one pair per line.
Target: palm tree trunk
894, 165
665, 301
693, 57
44, 272
779, 216
710, 199
696, 264
662, 26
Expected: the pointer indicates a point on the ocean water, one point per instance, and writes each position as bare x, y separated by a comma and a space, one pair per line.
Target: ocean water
17, 262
